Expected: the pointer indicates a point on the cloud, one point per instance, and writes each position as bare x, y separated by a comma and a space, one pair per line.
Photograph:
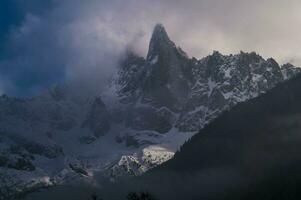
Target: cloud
82, 40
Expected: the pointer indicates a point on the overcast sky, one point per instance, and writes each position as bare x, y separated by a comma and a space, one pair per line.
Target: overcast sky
53, 41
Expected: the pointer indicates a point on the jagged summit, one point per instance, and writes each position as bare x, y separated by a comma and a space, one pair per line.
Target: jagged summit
159, 30
169, 78
160, 34
159, 42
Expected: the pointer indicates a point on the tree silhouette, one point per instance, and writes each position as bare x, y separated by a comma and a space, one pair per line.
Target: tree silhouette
141, 196
95, 197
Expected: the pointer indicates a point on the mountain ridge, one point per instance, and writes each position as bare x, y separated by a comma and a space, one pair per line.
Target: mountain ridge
150, 108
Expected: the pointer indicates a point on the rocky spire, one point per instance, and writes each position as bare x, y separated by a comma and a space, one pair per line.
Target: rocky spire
160, 42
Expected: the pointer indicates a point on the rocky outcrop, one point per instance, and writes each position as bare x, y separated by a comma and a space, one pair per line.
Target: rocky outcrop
98, 118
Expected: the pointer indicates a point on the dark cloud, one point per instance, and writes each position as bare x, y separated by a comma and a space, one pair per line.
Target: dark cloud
56, 41
12, 13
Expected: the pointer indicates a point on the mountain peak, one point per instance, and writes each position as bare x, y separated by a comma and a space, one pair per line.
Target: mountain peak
159, 28
159, 32
159, 41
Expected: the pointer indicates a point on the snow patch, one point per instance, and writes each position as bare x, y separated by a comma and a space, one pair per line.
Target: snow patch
154, 60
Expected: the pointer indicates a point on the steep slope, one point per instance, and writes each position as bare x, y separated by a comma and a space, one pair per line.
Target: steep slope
250, 152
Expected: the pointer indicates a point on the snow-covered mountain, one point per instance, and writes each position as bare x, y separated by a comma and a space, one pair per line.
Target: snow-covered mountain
249, 152
149, 109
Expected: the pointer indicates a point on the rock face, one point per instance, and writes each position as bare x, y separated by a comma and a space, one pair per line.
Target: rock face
150, 108
136, 165
98, 118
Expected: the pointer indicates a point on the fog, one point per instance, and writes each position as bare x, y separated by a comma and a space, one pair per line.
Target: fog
83, 40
